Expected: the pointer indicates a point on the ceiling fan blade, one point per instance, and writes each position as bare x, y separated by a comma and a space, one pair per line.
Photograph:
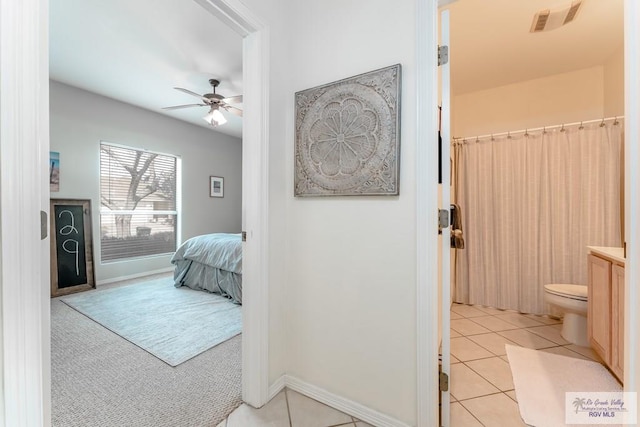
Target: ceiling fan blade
233, 100
192, 93
233, 110
177, 107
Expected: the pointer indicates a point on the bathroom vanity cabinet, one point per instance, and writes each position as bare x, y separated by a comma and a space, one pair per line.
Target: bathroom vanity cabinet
605, 316
617, 321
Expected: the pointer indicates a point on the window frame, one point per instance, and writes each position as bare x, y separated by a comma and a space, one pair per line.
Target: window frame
104, 210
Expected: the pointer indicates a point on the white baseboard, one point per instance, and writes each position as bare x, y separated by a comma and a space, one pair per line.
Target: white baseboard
133, 276
276, 387
340, 403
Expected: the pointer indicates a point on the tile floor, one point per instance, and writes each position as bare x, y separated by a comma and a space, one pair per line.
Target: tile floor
290, 409
482, 391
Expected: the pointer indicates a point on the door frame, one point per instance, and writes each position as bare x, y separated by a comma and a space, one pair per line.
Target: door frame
427, 298
24, 192
444, 281
255, 194
632, 193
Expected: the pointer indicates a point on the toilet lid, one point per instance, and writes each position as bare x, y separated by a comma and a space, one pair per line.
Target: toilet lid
578, 292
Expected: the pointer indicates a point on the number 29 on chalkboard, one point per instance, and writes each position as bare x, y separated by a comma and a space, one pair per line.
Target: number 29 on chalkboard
71, 247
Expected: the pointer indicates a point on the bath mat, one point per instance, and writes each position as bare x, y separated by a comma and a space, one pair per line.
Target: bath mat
173, 324
541, 380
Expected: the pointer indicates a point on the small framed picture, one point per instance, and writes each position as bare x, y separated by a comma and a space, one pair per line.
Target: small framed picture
216, 186
54, 171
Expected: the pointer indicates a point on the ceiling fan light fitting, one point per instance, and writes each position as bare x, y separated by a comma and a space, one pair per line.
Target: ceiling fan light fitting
214, 117
214, 101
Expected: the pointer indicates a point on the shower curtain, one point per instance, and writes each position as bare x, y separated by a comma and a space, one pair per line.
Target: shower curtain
531, 203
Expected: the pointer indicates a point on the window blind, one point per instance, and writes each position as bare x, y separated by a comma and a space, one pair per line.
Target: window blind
138, 213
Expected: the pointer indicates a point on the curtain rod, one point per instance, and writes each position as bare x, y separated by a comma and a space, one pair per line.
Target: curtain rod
493, 135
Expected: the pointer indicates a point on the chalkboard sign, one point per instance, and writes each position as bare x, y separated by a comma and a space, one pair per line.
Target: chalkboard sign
71, 247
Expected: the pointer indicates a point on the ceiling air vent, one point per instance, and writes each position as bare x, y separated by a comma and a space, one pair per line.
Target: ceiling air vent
540, 21
547, 20
573, 11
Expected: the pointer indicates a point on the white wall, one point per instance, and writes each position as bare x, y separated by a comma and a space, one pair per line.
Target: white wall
561, 98
351, 285
80, 120
614, 84
342, 281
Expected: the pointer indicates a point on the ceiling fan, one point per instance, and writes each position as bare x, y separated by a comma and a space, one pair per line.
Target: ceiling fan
214, 101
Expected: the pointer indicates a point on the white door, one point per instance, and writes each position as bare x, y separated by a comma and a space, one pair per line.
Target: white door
445, 201
24, 190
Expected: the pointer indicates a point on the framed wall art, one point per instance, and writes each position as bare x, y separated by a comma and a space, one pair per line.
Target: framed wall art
216, 186
348, 136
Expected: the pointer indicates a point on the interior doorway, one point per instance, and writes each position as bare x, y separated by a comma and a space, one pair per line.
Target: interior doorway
252, 208
255, 205
457, 51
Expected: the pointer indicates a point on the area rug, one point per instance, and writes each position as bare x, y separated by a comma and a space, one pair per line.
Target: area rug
173, 324
541, 380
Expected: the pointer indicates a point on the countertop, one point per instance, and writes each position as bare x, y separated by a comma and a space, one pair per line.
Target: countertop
616, 254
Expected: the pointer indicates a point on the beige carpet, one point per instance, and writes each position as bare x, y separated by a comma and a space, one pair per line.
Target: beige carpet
100, 379
541, 380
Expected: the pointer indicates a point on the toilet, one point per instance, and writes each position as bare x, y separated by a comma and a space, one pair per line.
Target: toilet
572, 301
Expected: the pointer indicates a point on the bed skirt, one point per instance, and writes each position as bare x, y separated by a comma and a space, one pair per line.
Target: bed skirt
205, 278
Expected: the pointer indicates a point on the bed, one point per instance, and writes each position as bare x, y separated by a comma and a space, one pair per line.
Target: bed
211, 262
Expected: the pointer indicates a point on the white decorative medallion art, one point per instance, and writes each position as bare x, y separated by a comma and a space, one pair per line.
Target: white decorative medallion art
348, 136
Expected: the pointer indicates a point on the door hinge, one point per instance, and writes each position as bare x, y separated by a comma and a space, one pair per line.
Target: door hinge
444, 381
443, 219
443, 55
244, 236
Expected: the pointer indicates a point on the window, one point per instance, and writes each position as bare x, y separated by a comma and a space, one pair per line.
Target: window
138, 213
